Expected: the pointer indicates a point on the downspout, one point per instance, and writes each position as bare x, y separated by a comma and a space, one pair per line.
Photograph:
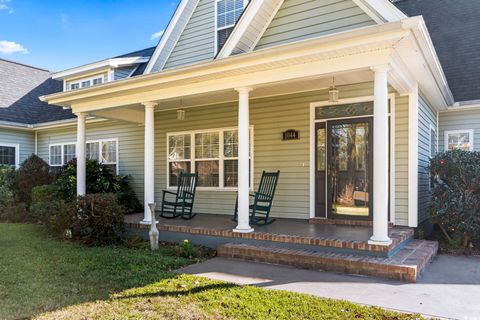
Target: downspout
36, 142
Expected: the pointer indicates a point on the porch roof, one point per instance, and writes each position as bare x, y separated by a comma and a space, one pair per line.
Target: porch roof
404, 45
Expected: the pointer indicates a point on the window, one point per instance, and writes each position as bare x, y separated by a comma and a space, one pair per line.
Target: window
459, 139
85, 83
9, 154
228, 12
433, 142
104, 151
211, 153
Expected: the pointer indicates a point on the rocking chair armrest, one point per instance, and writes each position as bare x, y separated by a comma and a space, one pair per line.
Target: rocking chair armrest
169, 192
263, 195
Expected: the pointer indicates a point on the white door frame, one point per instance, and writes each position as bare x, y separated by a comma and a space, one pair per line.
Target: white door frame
324, 103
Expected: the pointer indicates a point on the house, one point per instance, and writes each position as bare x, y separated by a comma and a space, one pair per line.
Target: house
371, 89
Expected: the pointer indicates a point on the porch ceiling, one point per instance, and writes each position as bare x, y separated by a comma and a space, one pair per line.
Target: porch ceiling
305, 65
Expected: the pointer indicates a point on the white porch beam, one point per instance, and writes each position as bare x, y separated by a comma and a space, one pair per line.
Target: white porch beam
380, 157
243, 161
81, 155
413, 158
149, 170
127, 115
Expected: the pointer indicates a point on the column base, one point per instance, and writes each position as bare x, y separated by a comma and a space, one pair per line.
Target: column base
239, 230
380, 242
147, 222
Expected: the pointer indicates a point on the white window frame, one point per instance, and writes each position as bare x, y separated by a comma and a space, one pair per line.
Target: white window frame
99, 141
448, 132
221, 157
245, 2
89, 79
17, 151
430, 141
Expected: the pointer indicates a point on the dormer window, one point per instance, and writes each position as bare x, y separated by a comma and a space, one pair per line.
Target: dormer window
85, 83
228, 12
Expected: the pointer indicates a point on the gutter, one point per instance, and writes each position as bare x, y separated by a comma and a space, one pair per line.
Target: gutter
46, 125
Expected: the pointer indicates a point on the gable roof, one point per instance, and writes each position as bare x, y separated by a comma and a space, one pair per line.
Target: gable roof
172, 33
454, 29
20, 87
260, 13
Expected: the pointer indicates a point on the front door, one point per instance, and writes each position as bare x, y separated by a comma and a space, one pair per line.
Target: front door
349, 165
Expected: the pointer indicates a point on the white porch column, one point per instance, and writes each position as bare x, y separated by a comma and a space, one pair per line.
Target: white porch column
81, 155
380, 157
243, 161
149, 170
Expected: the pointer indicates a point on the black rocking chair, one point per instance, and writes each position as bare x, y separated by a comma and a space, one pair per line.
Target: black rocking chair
184, 198
262, 199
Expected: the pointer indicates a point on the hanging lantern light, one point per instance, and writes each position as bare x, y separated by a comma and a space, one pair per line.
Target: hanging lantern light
181, 114
333, 93
181, 111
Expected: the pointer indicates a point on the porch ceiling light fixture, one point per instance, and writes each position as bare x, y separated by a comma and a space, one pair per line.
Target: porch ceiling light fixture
333, 92
181, 114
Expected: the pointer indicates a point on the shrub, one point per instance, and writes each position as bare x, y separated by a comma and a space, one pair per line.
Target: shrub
52, 210
455, 204
10, 210
99, 219
32, 173
100, 179
186, 249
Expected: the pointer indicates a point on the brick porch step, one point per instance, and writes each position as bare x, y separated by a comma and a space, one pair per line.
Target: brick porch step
405, 265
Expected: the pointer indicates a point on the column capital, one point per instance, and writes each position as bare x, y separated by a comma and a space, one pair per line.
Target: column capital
81, 114
380, 68
150, 104
243, 89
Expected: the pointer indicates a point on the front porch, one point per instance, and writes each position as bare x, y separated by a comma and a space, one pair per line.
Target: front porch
331, 247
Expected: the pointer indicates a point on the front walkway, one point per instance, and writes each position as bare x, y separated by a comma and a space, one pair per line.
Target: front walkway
449, 288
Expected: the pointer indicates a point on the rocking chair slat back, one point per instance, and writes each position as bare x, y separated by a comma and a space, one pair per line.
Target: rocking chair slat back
268, 186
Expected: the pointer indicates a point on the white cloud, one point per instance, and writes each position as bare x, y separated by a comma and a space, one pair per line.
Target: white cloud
157, 35
9, 47
4, 5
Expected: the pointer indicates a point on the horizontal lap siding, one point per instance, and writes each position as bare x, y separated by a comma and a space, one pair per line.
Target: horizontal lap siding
269, 118
130, 142
302, 19
460, 120
25, 140
401, 161
197, 42
426, 118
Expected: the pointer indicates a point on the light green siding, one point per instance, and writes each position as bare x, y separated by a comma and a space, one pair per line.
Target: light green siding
197, 42
468, 119
427, 118
401, 160
25, 140
130, 145
269, 118
303, 19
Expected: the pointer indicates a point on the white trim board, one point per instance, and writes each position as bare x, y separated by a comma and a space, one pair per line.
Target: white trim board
313, 106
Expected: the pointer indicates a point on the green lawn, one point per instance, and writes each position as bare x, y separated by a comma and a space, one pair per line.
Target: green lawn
49, 279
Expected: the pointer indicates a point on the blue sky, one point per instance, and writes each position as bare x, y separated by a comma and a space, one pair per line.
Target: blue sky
57, 35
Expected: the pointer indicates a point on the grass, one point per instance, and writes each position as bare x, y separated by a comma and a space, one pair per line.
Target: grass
49, 279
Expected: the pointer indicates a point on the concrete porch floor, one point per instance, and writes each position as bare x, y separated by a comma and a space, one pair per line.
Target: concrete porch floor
281, 226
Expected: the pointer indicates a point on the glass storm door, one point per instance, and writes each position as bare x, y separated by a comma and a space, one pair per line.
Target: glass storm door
350, 173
